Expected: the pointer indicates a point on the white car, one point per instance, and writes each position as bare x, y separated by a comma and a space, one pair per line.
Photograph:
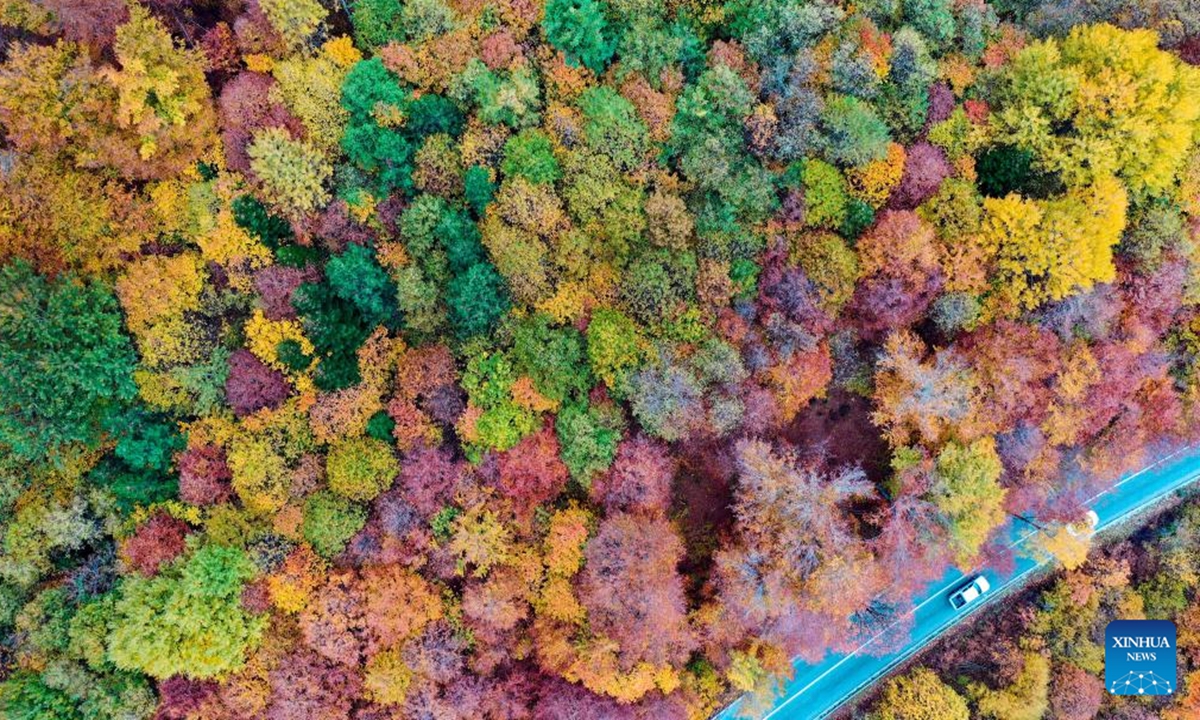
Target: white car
969, 593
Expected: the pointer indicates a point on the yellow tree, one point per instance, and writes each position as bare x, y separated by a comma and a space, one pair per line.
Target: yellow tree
1066, 544
311, 86
156, 294
920, 695
1047, 250
297, 21
163, 113
1025, 699
970, 495
1101, 101
43, 91
292, 172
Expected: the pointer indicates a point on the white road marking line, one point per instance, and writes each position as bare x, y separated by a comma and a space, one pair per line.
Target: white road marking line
957, 617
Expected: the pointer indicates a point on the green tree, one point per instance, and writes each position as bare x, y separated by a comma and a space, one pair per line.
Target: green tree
376, 22
146, 440
478, 188
376, 102
361, 468
904, 100
581, 30
459, 238
25, 696
658, 284
510, 98
708, 138
188, 620
387, 124
612, 127
65, 362
502, 423
553, 357
934, 19
969, 494
615, 347
825, 195
356, 277
530, 155
588, 435
477, 299
337, 329
853, 133
330, 521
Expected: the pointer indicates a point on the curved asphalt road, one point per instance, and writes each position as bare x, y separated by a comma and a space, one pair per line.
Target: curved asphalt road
818, 690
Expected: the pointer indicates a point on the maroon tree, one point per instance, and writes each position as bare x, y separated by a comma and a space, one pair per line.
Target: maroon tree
179, 697
911, 547
246, 105
633, 592
306, 686
900, 273
156, 542
429, 478
796, 569
532, 472
639, 479
91, 22
276, 284
561, 700
252, 386
925, 168
204, 475
1075, 694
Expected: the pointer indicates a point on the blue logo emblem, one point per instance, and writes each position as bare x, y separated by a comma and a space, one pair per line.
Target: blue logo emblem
1139, 657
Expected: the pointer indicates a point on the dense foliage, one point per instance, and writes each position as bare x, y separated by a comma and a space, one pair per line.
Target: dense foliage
581, 359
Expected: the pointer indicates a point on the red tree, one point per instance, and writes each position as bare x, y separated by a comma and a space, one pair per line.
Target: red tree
204, 476
157, 541
531, 472
1075, 694
639, 479
633, 592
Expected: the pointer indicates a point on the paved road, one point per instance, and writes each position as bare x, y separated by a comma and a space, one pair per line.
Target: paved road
818, 690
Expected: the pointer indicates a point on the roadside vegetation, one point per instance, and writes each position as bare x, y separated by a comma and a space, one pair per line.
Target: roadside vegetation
510, 360
1041, 653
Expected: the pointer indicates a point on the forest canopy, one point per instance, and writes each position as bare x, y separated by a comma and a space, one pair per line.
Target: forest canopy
510, 360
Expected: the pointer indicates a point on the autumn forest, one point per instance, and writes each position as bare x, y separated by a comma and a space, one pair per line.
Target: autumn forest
582, 359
